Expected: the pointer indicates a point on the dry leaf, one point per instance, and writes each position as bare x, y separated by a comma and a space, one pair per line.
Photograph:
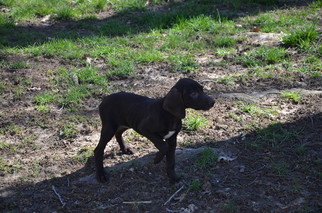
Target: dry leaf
255, 29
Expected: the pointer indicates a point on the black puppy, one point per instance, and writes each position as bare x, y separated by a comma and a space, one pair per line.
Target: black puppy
159, 120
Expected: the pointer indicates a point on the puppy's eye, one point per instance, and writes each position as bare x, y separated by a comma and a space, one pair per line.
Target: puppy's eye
194, 94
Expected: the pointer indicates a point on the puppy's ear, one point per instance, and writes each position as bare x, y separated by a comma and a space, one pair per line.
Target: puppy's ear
174, 104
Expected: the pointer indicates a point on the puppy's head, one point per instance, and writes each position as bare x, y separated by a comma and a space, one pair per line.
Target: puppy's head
186, 93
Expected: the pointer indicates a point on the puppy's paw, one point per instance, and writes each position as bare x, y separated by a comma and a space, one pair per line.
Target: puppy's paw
127, 151
158, 157
175, 179
102, 177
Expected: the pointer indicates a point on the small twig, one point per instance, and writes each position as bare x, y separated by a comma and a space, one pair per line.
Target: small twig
312, 121
173, 195
258, 169
172, 211
58, 195
137, 202
68, 182
251, 183
219, 18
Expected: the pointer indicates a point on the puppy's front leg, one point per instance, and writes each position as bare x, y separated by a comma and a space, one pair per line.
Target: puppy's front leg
159, 143
171, 160
166, 148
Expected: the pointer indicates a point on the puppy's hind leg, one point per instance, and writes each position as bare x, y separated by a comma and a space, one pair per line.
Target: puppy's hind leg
123, 146
107, 133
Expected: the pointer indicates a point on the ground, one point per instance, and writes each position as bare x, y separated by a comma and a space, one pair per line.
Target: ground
258, 150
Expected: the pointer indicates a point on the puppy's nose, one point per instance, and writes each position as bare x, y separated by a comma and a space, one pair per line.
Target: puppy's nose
211, 101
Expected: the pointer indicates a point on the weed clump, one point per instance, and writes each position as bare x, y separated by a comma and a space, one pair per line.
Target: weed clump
301, 38
293, 96
194, 121
207, 158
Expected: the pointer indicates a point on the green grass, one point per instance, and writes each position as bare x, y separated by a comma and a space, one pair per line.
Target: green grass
65, 9
149, 56
254, 110
184, 63
76, 85
235, 116
65, 13
14, 65
2, 87
74, 96
280, 168
83, 154
224, 41
8, 167
68, 130
225, 51
301, 150
275, 136
11, 129
175, 37
227, 80
4, 145
121, 67
44, 98
207, 158
194, 121
64, 48
302, 37
262, 72
230, 207
114, 27
195, 185
285, 20
263, 56
312, 65
293, 96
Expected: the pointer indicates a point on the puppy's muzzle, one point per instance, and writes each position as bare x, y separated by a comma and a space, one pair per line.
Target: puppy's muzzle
209, 103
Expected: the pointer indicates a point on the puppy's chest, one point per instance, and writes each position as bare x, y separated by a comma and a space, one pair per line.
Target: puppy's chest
172, 128
169, 134
164, 127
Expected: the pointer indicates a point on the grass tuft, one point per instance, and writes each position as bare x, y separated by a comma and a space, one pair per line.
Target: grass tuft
44, 98
276, 136
195, 185
68, 130
263, 56
65, 13
301, 38
293, 96
254, 110
194, 121
83, 155
207, 158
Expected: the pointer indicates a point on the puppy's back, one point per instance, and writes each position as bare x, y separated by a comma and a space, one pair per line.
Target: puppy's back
121, 104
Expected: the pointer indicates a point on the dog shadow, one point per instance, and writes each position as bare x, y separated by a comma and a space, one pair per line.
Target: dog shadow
140, 177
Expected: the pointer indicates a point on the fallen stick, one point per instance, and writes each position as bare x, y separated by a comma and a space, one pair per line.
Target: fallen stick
172, 211
137, 202
58, 195
68, 182
173, 195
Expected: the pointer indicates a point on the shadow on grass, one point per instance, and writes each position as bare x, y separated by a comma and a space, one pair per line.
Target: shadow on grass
281, 170
133, 21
